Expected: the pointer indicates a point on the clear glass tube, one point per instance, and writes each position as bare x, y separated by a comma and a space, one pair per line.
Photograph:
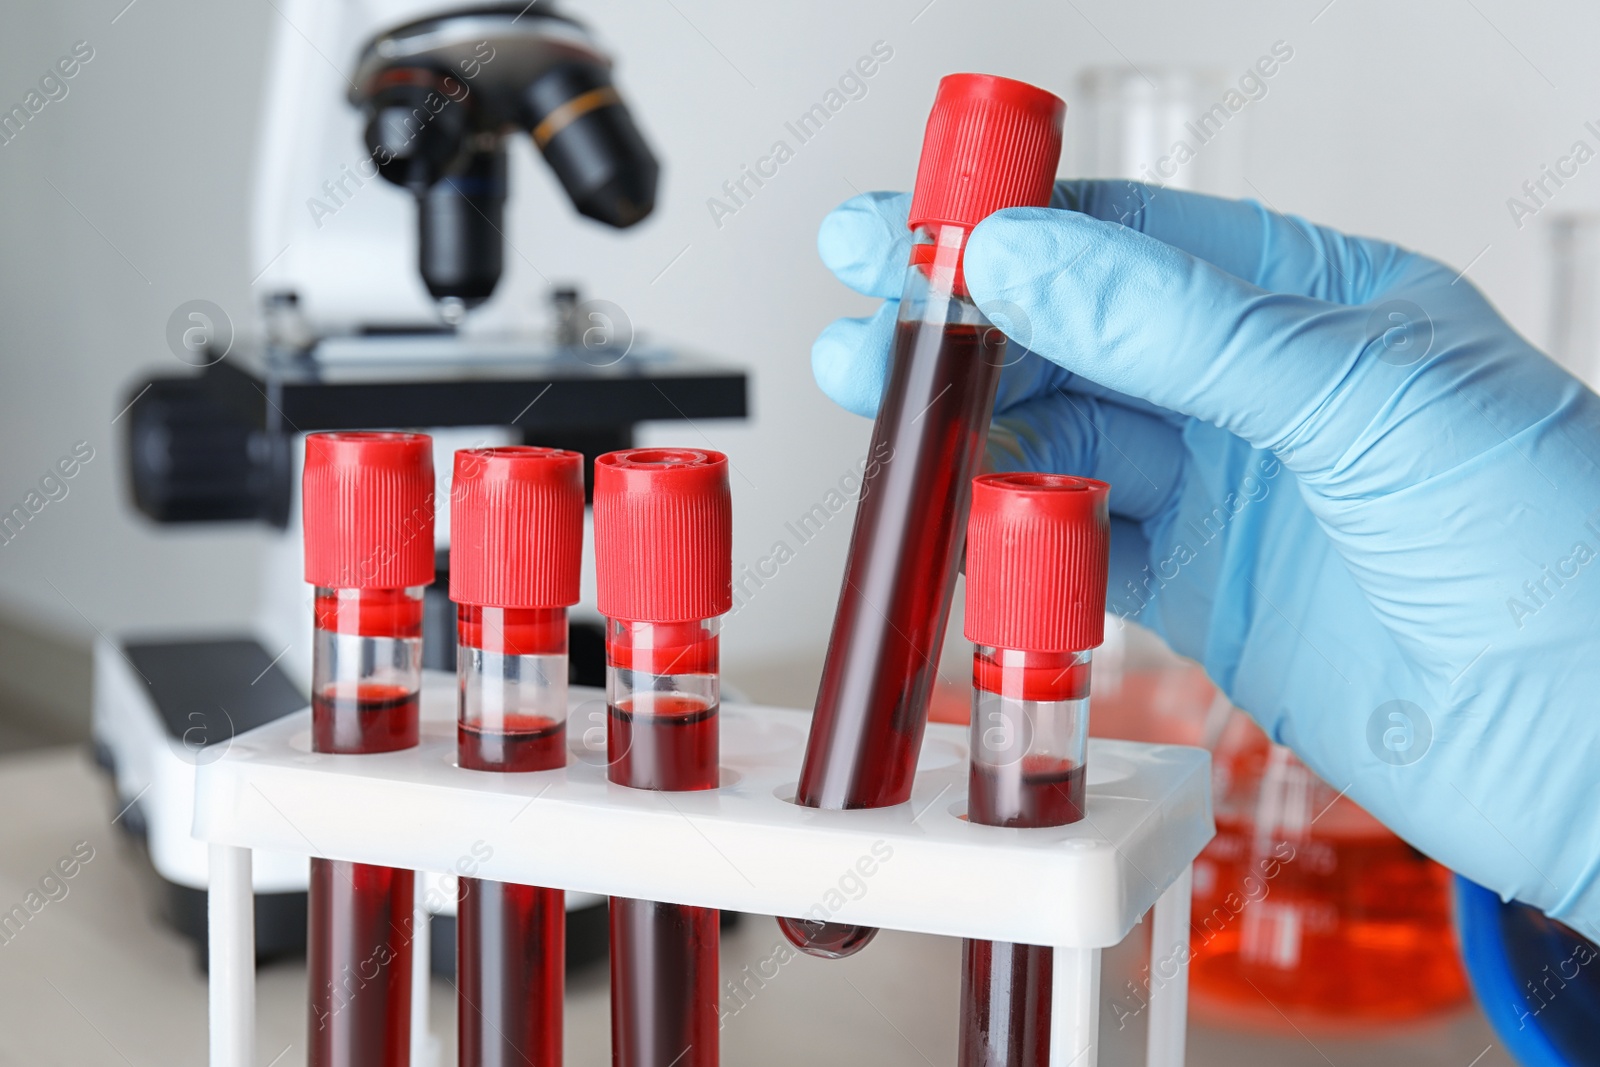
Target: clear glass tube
1005, 1005
511, 670
1030, 732
366, 679
927, 444
511, 667
663, 696
1178, 127
662, 691
366, 669
1575, 295
1030, 729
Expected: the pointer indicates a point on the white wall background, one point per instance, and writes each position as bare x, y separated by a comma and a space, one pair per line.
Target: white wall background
1410, 121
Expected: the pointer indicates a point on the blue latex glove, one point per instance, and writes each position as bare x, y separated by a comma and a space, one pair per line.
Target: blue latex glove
1340, 482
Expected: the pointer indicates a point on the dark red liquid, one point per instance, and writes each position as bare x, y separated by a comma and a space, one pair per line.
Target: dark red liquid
878, 677
378, 718
511, 973
510, 939
883, 654
663, 956
1034, 791
1005, 989
829, 941
522, 743
1005, 1005
360, 916
663, 984
360, 965
672, 746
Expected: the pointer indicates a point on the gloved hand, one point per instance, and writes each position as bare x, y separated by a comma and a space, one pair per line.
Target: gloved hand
1340, 481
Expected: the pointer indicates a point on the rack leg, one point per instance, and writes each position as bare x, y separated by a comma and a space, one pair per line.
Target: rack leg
1169, 974
421, 975
1075, 1007
231, 925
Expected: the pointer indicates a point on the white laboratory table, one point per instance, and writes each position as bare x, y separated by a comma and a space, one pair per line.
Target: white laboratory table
95, 978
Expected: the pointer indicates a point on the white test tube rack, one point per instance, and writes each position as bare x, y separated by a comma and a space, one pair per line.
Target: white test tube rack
742, 847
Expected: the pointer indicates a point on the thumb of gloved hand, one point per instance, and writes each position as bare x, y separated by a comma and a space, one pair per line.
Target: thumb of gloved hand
1147, 319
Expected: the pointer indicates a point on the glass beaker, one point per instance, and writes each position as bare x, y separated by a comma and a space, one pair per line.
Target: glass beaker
1307, 910
1575, 294
1165, 126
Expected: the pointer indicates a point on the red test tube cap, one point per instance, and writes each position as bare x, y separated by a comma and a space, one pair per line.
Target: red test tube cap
367, 510
990, 143
1038, 548
663, 534
516, 527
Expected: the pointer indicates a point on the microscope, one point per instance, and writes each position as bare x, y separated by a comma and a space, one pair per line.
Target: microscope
441, 96
382, 227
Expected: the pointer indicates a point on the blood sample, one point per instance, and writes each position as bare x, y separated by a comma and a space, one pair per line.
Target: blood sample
1038, 791
990, 143
524, 743
1037, 551
663, 552
663, 737
1005, 1004
516, 522
368, 512
910, 513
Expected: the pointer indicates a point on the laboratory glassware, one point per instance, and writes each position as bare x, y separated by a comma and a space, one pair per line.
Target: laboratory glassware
990, 143
368, 520
1166, 126
1575, 294
516, 549
1037, 554
1307, 900
663, 554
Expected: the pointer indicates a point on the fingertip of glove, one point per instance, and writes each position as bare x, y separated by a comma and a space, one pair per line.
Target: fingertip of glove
854, 236
860, 242
847, 375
